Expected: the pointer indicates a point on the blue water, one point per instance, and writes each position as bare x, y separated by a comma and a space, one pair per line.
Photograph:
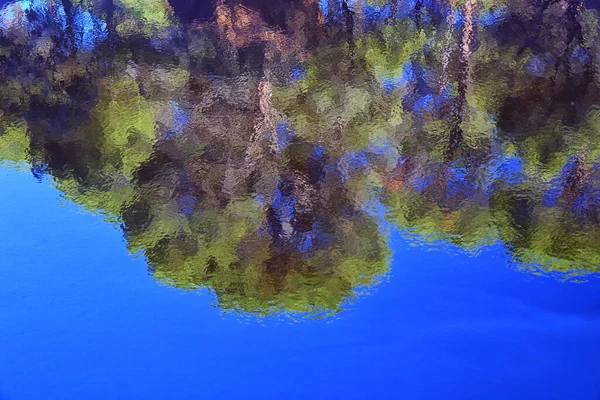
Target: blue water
81, 319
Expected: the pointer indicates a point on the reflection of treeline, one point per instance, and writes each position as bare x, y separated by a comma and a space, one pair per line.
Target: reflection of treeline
510, 150
175, 138
295, 241
239, 152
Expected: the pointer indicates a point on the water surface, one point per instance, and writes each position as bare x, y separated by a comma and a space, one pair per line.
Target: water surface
367, 199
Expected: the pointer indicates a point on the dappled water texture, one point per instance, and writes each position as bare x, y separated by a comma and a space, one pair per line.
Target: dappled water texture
264, 150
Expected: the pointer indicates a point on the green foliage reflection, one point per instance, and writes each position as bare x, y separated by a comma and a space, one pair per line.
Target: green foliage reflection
247, 149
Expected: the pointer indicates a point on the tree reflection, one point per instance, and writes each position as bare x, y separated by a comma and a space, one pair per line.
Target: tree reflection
241, 145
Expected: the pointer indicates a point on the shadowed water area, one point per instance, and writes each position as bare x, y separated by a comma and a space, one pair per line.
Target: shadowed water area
264, 150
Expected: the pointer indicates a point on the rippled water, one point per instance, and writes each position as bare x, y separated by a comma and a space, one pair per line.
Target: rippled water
268, 152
